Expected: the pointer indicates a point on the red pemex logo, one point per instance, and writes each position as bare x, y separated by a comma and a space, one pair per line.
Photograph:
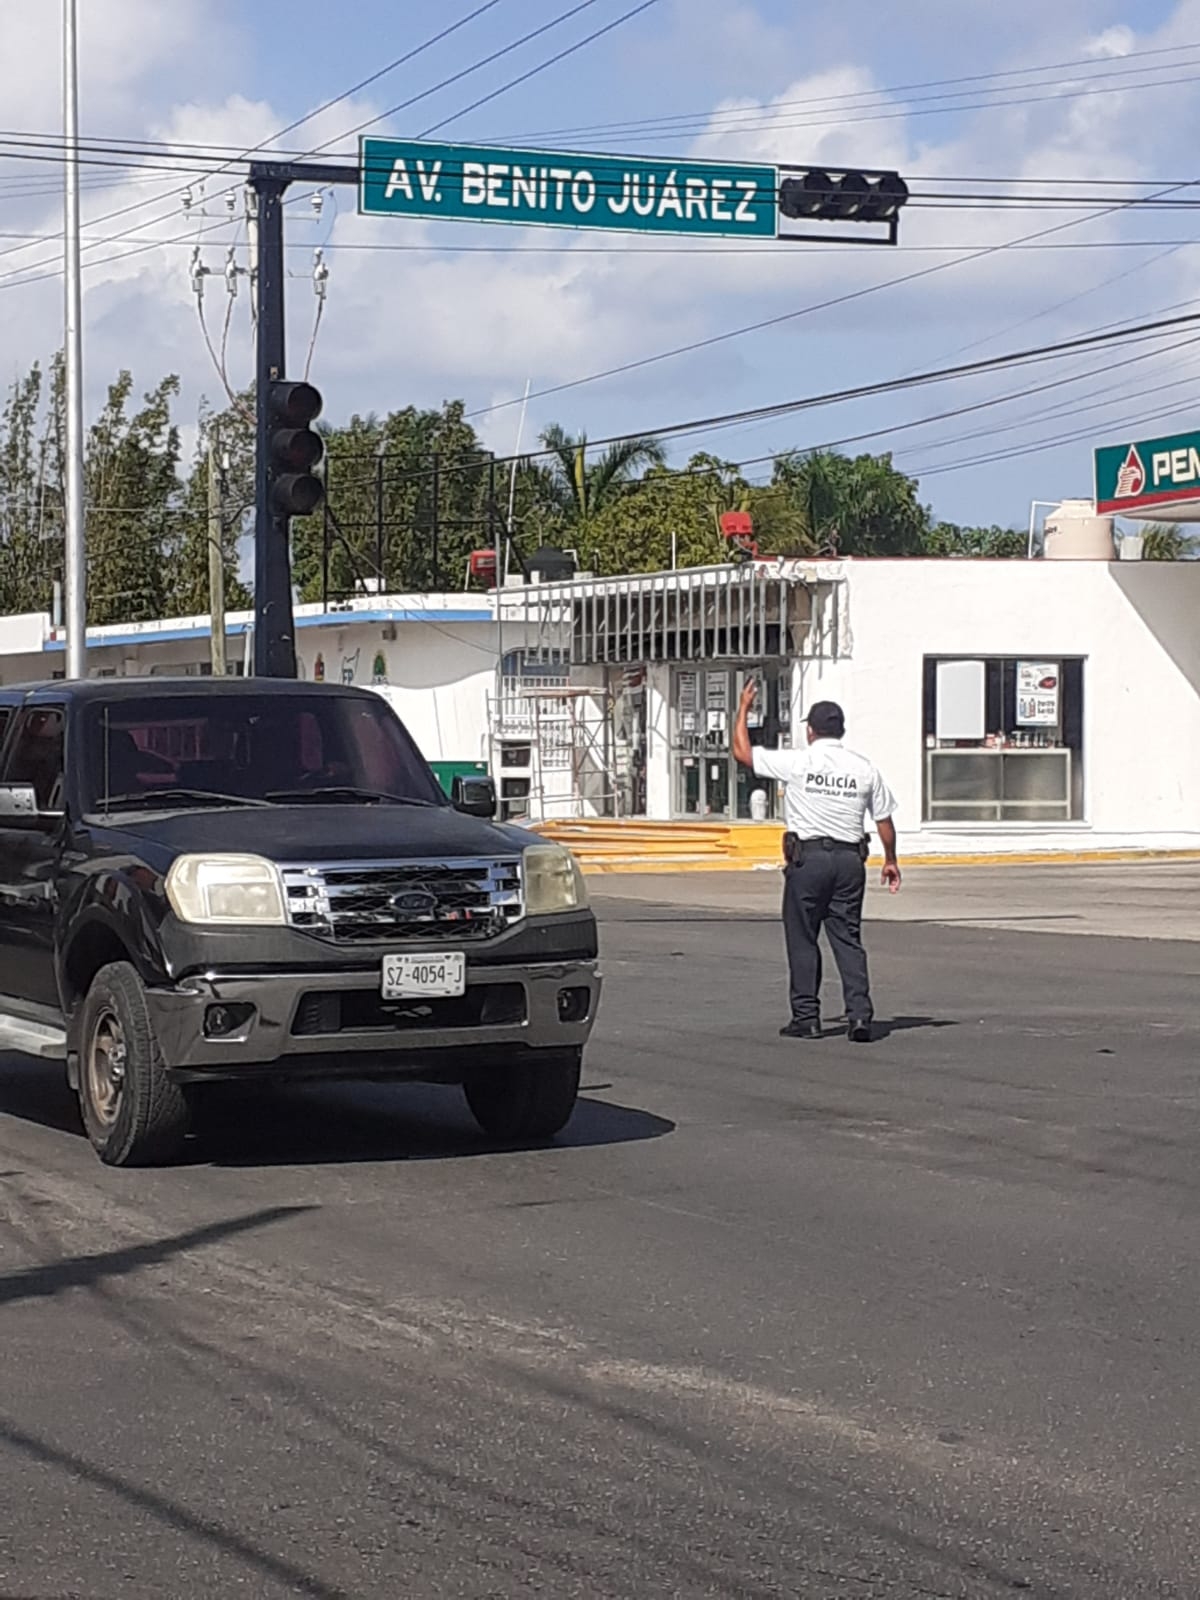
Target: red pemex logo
1131, 477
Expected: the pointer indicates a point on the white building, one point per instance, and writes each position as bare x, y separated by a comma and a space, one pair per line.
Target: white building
1012, 705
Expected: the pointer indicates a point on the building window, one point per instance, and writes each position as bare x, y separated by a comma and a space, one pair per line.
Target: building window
1003, 739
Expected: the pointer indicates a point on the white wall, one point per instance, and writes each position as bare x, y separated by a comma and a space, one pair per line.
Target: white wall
1137, 626
438, 679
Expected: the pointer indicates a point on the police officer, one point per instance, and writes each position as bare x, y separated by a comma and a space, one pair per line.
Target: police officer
829, 791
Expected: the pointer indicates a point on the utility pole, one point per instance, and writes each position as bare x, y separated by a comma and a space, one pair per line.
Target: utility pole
74, 546
216, 563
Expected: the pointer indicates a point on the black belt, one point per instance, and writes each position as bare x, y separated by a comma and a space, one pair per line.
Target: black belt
831, 844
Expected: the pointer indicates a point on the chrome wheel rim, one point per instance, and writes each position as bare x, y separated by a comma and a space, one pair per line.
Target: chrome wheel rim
106, 1062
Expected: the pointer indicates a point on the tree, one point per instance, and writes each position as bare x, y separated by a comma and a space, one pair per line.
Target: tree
579, 489
231, 432
409, 497
661, 516
853, 506
1166, 541
131, 490
949, 539
30, 504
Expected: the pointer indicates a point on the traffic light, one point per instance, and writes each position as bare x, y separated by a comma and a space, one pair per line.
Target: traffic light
295, 449
843, 196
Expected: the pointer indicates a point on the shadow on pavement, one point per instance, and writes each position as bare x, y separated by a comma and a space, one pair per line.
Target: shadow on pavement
886, 1026
341, 1123
151, 1506
36, 1091
46, 1280
261, 1125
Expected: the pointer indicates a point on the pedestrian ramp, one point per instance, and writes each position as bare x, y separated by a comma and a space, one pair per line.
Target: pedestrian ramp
603, 844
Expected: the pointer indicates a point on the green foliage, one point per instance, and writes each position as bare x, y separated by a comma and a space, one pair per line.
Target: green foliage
231, 435
577, 489
853, 505
1166, 541
411, 495
437, 504
949, 539
131, 486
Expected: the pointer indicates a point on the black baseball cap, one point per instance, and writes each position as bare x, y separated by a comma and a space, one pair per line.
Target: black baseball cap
826, 719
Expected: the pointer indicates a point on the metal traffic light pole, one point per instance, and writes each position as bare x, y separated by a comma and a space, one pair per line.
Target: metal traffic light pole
805, 194
274, 622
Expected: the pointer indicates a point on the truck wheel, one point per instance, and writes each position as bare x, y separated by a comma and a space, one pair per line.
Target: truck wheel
135, 1115
530, 1099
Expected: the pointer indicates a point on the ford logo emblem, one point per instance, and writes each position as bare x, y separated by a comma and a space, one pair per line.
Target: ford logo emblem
417, 902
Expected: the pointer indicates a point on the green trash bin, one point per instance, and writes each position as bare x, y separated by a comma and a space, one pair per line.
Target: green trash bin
446, 771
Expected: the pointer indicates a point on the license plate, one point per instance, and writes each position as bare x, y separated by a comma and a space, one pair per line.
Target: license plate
438, 976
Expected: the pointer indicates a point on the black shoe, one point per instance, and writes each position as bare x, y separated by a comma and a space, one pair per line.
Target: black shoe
801, 1030
860, 1031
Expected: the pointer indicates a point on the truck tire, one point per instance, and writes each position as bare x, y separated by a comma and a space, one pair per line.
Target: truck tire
135, 1115
531, 1099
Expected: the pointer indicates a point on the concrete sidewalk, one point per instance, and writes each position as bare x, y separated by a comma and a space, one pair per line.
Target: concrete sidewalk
1148, 900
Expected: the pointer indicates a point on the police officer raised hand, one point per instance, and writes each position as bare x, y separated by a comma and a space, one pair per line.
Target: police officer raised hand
828, 793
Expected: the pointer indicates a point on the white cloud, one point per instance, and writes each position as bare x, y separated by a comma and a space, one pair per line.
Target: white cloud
409, 327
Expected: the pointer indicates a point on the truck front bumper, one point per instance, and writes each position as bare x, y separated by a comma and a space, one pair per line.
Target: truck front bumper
327, 1024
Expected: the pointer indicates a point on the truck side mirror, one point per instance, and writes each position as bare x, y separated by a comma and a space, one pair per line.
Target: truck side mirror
18, 801
474, 797
19, 809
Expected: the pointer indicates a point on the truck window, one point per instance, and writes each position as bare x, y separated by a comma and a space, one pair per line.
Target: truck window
251, 745
36, 755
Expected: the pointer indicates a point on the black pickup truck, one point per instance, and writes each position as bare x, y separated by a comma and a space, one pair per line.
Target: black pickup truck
207, 881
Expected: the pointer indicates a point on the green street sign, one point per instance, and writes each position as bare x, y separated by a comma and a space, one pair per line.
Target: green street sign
625, 194
1150, 478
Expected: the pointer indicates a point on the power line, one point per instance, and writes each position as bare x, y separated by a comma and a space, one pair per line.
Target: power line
1138, 332
703, 125
768, 249
542, 66
55, 153
141, 205
907, 88
1133, 421
791, 316
457, 77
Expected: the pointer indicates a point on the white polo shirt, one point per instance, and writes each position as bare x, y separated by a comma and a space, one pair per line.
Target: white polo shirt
829, 789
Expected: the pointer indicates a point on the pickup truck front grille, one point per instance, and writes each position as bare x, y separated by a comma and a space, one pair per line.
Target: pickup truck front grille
431, 901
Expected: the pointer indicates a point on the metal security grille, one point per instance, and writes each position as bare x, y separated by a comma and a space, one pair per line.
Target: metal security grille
356, 902
707, 614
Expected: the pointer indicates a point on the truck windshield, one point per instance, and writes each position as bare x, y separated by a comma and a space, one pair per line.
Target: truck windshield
251, 747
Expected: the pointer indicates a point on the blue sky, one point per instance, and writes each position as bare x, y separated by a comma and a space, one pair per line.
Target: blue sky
475, 312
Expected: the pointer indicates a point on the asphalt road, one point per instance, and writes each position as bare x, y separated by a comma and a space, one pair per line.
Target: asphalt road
774, 1319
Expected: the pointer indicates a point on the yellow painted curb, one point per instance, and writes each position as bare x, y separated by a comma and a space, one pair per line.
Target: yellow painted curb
659, 866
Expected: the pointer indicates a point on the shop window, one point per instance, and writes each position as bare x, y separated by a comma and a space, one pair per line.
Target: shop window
1003, 739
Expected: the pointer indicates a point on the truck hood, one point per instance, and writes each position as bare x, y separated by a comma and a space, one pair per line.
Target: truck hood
317, 833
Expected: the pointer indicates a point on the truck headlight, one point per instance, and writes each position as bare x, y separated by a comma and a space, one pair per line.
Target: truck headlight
227, 890
553, 881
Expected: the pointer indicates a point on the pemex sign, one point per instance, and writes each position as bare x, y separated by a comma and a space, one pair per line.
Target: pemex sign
1150, 479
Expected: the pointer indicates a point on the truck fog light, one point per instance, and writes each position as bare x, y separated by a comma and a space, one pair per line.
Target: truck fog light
573, 1004
227, 1021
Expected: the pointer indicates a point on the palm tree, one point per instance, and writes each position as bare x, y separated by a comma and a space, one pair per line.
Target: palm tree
1166, 541
578, 488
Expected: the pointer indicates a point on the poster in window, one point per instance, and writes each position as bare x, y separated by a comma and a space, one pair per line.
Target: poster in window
1037, 693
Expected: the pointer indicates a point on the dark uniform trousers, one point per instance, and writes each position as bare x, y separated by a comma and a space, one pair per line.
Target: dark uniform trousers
825, 889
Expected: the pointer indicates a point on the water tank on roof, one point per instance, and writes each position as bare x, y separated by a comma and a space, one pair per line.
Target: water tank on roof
551, 566
1073, 532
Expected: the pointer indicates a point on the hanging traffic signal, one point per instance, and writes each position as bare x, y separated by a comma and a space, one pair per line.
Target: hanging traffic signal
296, 449
824, 195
